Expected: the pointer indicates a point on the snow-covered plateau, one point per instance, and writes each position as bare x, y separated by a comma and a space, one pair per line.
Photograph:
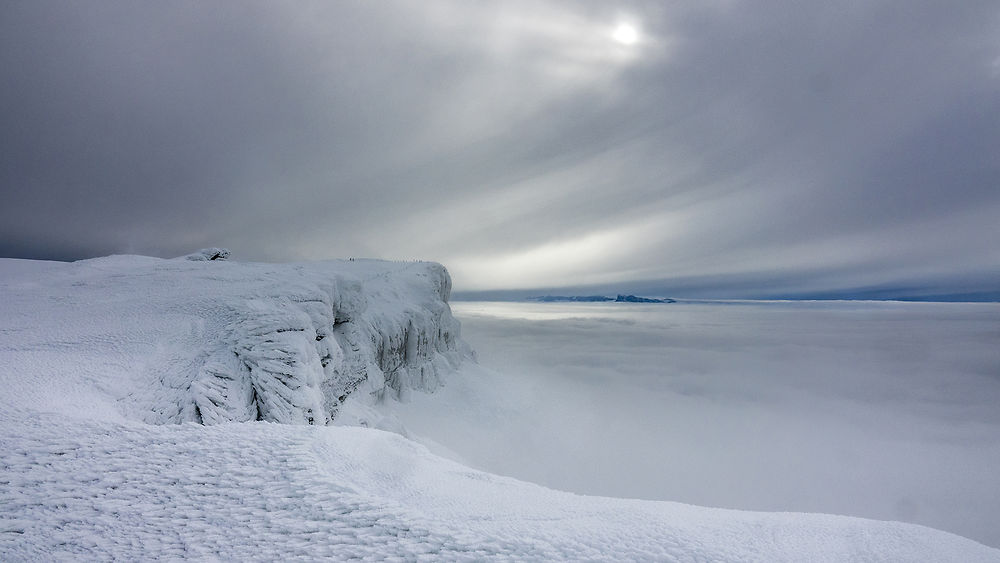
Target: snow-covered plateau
194, 409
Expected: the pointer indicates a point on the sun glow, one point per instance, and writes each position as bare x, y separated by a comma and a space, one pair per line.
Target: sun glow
625, 34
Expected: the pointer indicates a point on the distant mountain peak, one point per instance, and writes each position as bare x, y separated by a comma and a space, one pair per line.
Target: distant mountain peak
634, 299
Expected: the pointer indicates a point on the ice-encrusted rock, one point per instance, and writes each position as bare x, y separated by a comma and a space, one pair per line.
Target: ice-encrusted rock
294, 356
194, 341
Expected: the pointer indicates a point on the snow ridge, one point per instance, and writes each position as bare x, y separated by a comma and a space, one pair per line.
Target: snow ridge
213, 341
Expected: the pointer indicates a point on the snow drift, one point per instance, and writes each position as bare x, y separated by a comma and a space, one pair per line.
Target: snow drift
107, 366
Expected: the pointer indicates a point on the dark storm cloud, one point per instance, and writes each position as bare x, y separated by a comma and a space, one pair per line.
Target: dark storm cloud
841, 145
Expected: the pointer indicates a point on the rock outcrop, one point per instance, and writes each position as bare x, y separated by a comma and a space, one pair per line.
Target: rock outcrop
211, 341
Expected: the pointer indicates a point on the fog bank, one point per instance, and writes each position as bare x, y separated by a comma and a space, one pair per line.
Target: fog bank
881, 410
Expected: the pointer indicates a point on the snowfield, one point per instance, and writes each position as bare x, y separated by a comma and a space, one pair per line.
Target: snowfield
178, 409
77, 489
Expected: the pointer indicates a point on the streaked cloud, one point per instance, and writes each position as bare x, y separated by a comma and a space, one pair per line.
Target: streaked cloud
727, 140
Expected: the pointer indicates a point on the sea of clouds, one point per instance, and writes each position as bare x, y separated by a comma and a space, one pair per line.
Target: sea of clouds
884, 410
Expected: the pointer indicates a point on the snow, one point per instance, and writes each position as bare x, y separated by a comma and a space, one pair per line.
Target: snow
109, 365
176, 340
257, 491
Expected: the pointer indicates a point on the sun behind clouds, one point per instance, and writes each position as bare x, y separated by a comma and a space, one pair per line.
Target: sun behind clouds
625, 34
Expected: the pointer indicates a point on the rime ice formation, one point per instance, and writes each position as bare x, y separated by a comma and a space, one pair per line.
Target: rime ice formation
214, 341
294, 354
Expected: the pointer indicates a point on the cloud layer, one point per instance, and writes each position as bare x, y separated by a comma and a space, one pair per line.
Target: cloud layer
518, 142
884, 411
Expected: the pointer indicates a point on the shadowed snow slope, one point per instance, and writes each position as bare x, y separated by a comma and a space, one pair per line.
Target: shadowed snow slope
96, 356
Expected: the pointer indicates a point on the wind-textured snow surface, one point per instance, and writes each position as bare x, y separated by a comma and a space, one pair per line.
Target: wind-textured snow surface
108, 366
91, 490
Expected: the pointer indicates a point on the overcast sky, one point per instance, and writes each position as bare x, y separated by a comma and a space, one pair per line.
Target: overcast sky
814, 145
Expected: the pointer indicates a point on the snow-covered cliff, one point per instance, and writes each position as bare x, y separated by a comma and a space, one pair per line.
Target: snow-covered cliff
99, 357
206, 340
